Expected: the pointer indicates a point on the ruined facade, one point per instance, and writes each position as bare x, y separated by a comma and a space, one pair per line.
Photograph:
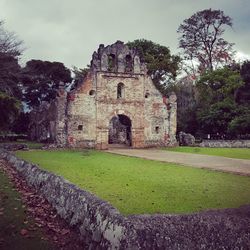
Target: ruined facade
117, 103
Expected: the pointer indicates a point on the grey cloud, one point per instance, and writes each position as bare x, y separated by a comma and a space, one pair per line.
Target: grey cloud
69, 31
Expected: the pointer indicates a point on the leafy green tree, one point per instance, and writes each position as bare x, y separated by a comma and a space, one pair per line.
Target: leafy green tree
10, 76
240, 124
10, 89
41, 79
161, 65
10, 108
201, 39
216, 100
243, 94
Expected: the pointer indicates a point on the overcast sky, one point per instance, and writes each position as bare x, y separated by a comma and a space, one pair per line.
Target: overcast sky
69, 31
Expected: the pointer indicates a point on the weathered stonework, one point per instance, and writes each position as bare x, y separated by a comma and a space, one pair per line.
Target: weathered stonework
117, 86
225, 143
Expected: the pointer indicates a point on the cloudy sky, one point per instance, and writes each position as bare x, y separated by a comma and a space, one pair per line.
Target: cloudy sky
69, 31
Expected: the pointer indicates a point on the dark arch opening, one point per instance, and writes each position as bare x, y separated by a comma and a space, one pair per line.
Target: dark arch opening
128, 63
120, 130
111, 62
120, 90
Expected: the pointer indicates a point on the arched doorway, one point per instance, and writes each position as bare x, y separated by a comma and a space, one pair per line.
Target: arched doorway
120, 130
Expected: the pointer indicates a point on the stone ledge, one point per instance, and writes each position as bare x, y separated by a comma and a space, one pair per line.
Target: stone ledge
225, 143
103, 227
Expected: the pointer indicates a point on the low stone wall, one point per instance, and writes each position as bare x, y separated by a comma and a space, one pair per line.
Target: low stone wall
225, 143
102, 227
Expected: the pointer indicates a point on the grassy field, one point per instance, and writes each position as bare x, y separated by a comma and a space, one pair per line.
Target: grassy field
240, 153
13, 220
138, 186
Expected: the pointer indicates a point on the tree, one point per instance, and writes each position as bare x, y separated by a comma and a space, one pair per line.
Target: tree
21, 124
243, 94
10, 44
79, 75
216, 100
10, 108
161, 65
201, 39
41, 80
10, 91
10, 49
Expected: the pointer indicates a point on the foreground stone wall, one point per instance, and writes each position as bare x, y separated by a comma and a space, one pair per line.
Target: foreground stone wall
102, 227
225, 143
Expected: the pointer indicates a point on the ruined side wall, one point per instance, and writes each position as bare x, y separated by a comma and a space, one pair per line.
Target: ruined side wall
81, 115
156, 116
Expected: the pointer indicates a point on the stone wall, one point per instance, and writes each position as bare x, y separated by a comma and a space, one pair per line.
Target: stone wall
101, 226
225, 143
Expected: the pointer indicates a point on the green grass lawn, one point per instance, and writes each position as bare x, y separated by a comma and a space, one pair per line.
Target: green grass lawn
240, 153
139, 186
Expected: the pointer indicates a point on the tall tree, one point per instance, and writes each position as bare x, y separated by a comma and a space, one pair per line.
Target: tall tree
10, 91
10, 48
41, 79
10, 108
216, 101
161, 65
201, 39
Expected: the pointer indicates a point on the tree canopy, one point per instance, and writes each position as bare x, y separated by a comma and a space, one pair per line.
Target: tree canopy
161, 65
41, 79
10, 91
202, 39
217, 111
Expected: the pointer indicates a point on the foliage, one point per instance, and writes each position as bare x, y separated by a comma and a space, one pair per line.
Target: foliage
201, 39
10, 108
41, 80
10, 49
187, 120
139, 186
9, 76
243, 93
216, 104
161, 65
240, 124
21, 124
238, 153
79, 75
10, 44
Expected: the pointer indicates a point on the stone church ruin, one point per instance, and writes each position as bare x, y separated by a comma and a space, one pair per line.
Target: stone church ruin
117, 103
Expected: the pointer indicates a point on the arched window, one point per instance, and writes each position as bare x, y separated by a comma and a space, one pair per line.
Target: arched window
128, 61
111, 62
120, 90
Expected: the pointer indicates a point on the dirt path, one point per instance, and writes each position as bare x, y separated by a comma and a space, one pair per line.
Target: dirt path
236, 166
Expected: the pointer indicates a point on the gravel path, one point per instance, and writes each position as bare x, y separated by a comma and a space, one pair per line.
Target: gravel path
236, 166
